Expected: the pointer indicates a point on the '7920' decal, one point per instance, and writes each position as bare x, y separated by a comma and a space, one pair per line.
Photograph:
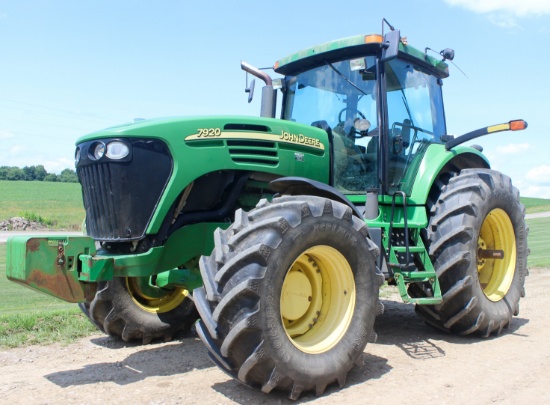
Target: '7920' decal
208, 132
285, 137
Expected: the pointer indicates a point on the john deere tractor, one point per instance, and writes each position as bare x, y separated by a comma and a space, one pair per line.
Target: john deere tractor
278, 232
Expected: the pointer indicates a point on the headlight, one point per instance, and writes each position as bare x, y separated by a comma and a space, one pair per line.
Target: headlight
117, 150
99, 150
77, 156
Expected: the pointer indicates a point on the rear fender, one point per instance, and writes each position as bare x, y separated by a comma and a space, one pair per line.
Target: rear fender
436, 159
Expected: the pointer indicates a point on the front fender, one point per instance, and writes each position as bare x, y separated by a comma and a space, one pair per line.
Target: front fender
304, 186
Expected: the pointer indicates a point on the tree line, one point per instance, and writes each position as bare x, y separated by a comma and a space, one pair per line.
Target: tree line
36, 173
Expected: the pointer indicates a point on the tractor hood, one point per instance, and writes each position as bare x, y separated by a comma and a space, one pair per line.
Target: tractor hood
161, 157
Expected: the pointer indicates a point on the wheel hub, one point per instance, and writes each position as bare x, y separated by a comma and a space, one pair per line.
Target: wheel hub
317, 299
154, 300
296, 295
496, 255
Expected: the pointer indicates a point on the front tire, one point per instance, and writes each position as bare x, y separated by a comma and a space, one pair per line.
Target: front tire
290, 295
477, 214
123, 309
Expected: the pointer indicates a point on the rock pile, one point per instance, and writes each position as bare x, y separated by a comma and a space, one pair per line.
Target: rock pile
21, 224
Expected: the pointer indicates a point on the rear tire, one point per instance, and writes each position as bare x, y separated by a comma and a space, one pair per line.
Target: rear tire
122, 310
477, 211
290, 295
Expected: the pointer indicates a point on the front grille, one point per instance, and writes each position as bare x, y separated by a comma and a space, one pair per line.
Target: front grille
253, 152
120, 197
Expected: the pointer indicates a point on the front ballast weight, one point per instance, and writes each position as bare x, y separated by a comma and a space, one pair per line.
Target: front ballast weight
114, 292
51, 265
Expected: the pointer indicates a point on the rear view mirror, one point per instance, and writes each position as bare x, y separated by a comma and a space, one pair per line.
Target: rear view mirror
391, 45
250, 90
357, 64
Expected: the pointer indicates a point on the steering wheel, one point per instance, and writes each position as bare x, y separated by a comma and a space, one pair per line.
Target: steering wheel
353, 131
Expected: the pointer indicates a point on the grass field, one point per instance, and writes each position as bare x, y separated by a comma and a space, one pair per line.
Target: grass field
60, 203
534, 205
28, 317
539, 242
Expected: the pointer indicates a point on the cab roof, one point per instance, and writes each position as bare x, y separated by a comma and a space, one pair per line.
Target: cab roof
354, 47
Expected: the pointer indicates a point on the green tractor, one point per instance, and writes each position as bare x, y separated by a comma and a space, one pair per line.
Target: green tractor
278, 232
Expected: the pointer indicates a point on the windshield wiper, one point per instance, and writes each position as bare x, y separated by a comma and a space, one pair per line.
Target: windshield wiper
344, 77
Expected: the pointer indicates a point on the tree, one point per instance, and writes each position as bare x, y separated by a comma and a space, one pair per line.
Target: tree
36, 173
4, 172
68, 176
51, 177
40, 172
15, 173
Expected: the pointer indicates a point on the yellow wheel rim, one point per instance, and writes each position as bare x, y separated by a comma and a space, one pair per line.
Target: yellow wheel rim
318, 299
164, 301
496, 275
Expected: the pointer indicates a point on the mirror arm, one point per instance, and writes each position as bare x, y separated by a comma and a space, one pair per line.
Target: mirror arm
254, 71
515, 125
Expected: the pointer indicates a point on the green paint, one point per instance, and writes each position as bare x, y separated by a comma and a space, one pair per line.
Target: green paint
435, 158
351, 47
195, 158
36, 262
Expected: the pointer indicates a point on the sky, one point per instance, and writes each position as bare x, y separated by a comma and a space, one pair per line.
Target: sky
68, 68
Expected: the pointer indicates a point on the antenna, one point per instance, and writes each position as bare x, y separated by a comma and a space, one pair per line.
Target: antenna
447, 54
388, 24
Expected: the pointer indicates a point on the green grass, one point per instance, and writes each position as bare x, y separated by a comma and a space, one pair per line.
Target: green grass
28, 317
17, 299
57, 203
534, 205
539, 242
44, 327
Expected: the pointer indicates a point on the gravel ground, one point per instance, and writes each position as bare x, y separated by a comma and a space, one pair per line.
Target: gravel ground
410, 363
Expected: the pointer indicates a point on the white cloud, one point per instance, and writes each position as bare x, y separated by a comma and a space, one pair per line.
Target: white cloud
57, 166
535, 191
504, 13
539, 175
513, 148
15, 149
520, 8
503, 20
5, 134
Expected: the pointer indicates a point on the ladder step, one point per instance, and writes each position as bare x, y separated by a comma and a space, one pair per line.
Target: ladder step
417, 276
412, 249
425, 301
402, 278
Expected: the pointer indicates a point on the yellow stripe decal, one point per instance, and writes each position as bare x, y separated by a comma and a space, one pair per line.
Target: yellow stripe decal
286, 137
500, 127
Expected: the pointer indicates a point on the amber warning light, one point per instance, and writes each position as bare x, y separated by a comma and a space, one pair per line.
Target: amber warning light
518, 125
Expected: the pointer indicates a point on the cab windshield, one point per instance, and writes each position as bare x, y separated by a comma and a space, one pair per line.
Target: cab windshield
341, 95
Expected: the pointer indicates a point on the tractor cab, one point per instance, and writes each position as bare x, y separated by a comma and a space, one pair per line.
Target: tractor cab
381, 110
